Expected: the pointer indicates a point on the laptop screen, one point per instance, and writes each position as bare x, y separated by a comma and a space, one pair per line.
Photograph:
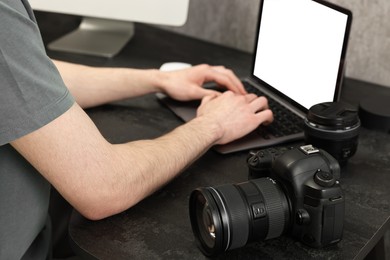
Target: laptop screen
300, 49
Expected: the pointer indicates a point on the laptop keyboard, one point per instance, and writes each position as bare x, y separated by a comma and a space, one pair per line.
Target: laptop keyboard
285, 121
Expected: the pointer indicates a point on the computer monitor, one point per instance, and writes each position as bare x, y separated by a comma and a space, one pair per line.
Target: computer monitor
107, 25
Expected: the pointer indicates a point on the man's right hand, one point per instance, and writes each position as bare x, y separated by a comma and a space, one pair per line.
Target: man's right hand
235, 114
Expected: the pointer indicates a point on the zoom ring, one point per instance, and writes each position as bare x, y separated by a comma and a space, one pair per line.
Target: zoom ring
273, 203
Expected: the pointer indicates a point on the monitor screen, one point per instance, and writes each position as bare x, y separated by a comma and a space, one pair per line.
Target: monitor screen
299, 49
107, 24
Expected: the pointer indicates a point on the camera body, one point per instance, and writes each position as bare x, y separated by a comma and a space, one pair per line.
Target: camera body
309, 177
294, 191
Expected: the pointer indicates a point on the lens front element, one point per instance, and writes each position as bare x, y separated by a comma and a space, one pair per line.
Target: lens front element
208, 227
206, 220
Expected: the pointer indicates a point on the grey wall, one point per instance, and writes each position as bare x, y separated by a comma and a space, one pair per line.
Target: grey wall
233, 23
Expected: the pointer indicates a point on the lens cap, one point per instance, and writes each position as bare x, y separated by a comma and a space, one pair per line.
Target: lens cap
336, 115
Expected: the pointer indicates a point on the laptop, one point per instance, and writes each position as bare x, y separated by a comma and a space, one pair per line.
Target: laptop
298, 62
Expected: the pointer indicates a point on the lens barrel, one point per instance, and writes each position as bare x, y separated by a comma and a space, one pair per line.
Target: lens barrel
231, 215
334, 127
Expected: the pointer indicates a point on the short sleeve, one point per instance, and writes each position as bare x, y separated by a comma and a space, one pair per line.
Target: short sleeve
32, 92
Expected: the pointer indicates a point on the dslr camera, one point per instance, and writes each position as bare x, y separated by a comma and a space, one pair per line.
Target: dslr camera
294, 191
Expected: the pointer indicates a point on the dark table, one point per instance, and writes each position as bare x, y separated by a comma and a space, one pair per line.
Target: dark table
159, 226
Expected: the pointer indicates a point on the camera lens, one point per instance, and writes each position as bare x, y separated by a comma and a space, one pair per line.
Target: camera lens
231, 215
334, 127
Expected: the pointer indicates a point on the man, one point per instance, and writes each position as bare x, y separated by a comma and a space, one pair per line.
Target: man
46, 137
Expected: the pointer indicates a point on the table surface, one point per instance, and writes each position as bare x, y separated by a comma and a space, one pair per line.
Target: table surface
159, 226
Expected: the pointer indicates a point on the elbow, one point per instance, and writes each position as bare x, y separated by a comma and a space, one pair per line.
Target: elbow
93, 214
96, 208
98, 212
104, 190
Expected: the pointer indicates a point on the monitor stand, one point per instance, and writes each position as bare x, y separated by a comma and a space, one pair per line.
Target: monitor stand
94, 36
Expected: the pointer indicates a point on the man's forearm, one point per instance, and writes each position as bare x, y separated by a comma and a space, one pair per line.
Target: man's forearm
153, 163
92, 86
100, 179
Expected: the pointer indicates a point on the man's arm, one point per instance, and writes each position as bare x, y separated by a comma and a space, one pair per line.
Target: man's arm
100, 179
92, 86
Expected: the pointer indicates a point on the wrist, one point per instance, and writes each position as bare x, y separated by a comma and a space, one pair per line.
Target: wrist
157, 79
146, 81
210, 129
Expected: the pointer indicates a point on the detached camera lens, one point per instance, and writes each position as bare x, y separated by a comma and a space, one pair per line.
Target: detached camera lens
230, 216
334, 127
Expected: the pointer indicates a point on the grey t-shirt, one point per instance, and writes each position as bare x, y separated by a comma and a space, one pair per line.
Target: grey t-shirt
32, 94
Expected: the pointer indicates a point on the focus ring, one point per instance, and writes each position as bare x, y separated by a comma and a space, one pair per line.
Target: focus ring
238, 214
273, 203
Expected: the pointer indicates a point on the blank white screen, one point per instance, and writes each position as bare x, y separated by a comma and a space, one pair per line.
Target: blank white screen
299, 49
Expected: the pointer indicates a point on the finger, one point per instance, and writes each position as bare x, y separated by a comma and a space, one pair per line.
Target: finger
259, 104
239, 87
209, 92
198, 93
265, 117
224, 78
207, 98
250, 97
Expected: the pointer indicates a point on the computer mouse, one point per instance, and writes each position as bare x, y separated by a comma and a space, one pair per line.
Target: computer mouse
170, 66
